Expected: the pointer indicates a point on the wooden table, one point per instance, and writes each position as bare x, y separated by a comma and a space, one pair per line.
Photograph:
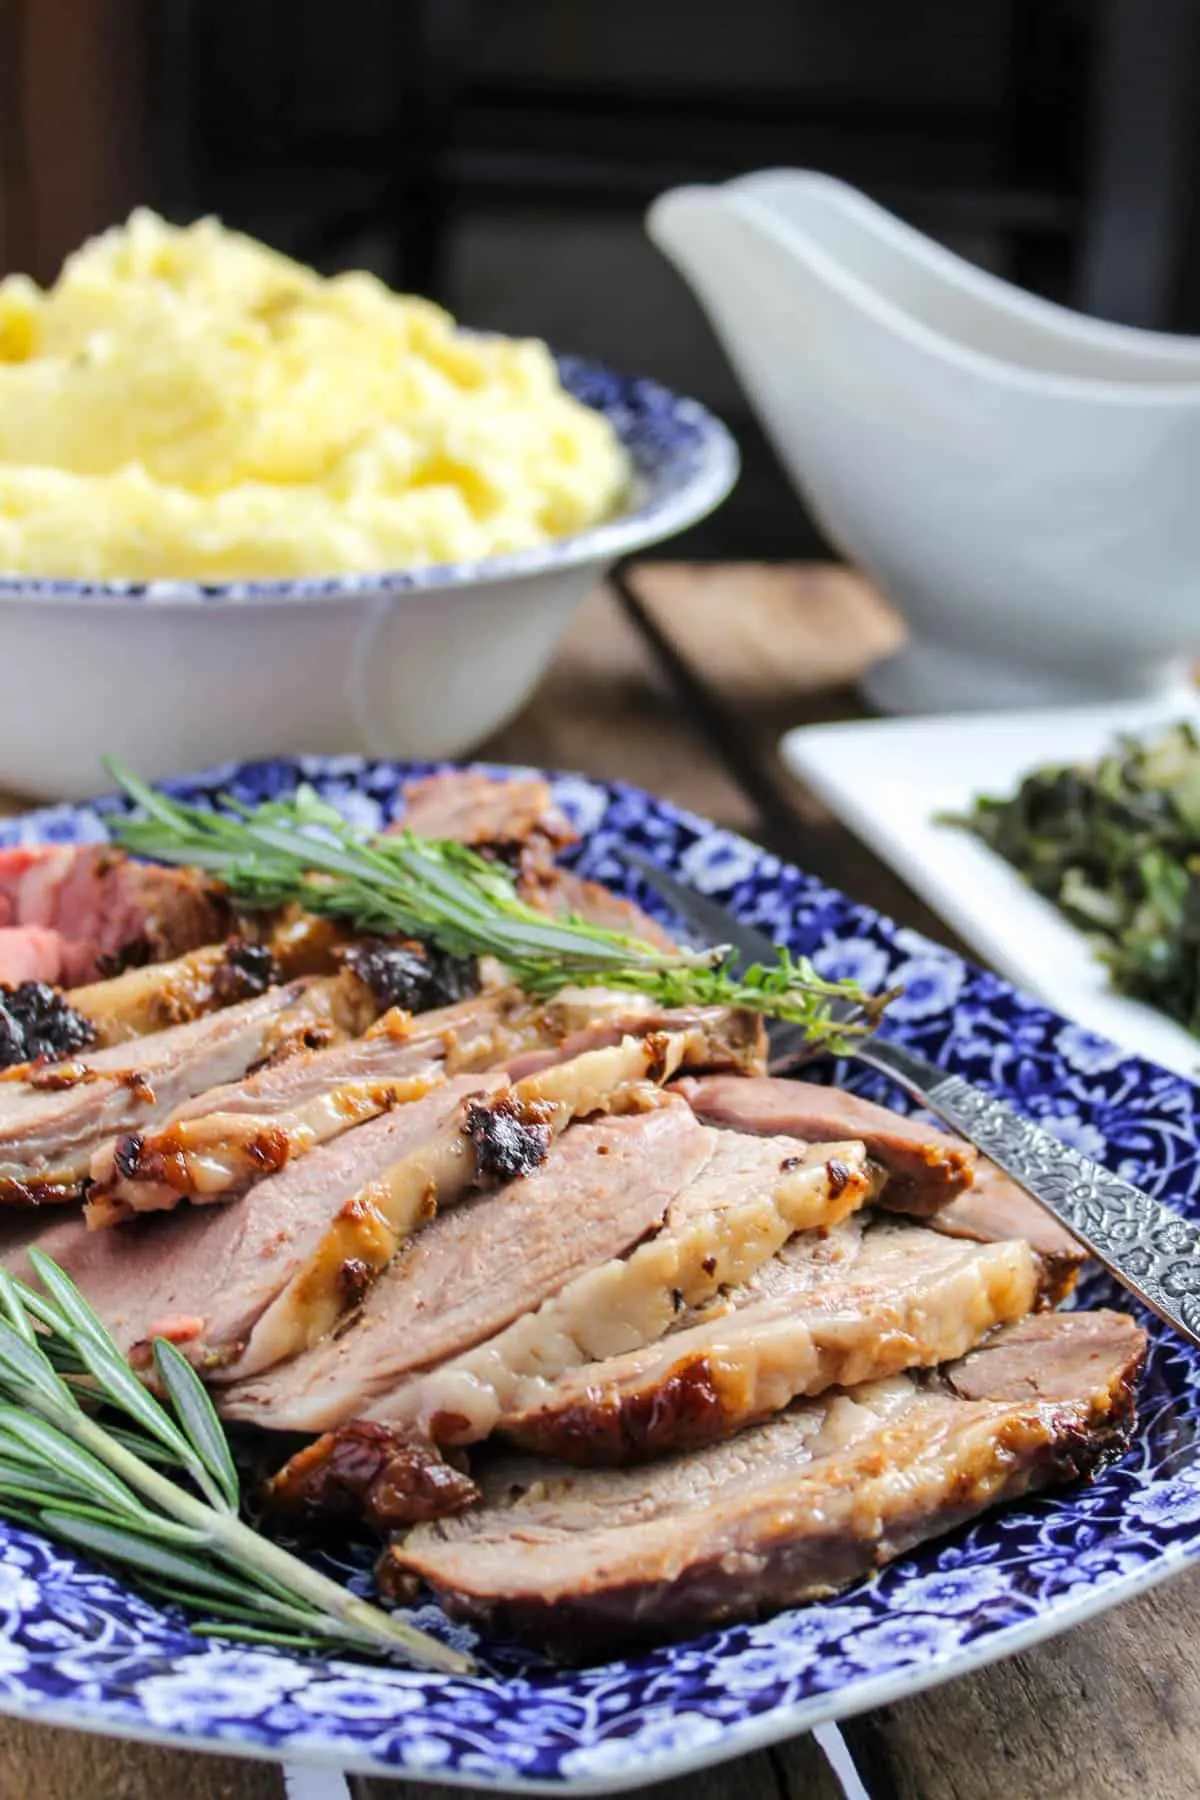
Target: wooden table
683, 682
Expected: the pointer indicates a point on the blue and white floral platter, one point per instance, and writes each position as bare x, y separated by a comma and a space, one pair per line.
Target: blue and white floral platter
78, 1647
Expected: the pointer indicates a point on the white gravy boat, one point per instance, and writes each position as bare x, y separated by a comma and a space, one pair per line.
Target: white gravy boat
1022, 481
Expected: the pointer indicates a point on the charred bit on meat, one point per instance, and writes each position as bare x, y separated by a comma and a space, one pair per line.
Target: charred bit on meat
127, 1155
511, 1137
247, 971
838, 1173
132, 955
368, 1471
139, 1085
37, 1024
57, 1077
415, 977
354, 1278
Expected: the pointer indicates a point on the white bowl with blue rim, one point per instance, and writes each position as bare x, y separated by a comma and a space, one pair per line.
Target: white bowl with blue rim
422, 662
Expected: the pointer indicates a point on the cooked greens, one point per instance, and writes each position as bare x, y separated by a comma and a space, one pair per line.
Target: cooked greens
1116, 846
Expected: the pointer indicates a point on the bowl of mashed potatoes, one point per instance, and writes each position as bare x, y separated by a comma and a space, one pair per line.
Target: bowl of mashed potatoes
247, 510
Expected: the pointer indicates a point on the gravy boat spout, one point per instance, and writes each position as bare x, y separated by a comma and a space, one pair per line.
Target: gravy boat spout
1019, 480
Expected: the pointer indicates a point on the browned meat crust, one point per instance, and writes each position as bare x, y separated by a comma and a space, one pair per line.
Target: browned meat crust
925, 1167
219, 1143
908, 1299
791, 1510
53, 1124
510, 816
366, 1471
156, 996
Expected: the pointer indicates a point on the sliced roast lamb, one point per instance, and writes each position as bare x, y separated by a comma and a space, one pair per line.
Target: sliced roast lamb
994, 1207
262, 1279
808, 1320
510, 816
53, 1123
267, 949
491, 1138
222, 1141
211, 1278
96, 910
925, 1167
730, 1218
476, 1268
158, 995
566, 895
931, 1172
217, 1144
789, 1510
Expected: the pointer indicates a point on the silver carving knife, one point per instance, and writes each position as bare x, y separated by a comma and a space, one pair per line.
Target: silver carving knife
1150, 1250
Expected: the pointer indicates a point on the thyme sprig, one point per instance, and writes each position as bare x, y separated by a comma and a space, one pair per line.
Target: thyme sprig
67, 1471
301, 850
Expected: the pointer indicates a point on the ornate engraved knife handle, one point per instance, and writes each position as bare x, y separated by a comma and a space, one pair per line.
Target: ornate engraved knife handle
1152, 1251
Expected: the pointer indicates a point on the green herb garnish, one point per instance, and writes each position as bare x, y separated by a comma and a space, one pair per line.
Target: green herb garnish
302, 850
67, 1470
1116, 846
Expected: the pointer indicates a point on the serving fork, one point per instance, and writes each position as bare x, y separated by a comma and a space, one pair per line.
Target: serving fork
1149, 1249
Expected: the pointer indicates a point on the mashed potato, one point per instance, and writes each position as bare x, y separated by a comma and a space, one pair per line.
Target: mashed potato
188, 403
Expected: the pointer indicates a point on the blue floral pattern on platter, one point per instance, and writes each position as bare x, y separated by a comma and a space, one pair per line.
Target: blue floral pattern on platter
77, 1646
684, 463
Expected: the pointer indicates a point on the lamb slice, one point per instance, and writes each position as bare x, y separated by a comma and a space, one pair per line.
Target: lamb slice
219, 1143
564, 894
806, 1322
266, 950
206, 1276
787, 1511
719, 1037
925, 1167
977, 1201
107, 909
158, 995
474, 1269
495, 1138
504, 814
718, 1229
53, 1122
730, 1219
994, 1207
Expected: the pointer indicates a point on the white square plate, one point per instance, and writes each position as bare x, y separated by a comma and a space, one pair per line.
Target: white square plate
889, 779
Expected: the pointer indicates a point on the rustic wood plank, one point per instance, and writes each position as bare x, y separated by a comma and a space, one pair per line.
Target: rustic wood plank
805, 1775
756, 649
51, 1764
1109, 1710
82, 111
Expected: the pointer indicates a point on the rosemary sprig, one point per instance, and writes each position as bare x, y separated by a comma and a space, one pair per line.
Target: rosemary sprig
302, 850
66, 1471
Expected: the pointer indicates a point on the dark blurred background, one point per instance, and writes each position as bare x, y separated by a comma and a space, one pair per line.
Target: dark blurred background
499, 154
